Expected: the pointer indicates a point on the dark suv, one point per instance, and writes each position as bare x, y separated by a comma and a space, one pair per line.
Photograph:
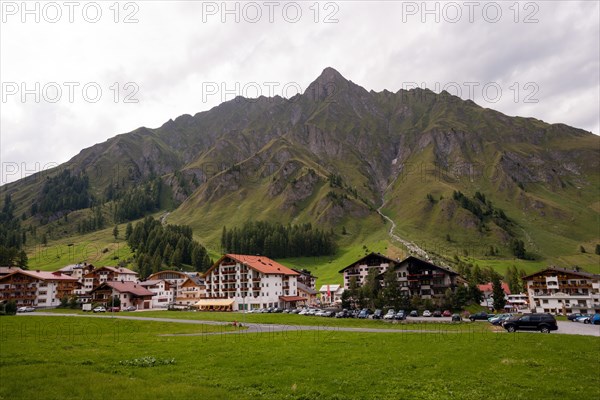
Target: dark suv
531, 322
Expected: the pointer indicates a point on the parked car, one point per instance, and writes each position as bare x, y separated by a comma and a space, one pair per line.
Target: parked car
413, 313
446, 313
480, 316
574, 316
364, 313
378, 314
584, 318
437, 314
26, 309
427, 313
456, 318
343, 314
311, 311
400, 315
595, 319
99, 309
390, 314
277, 310
130, 308
114, 309
303, 312
499, 319
537, 322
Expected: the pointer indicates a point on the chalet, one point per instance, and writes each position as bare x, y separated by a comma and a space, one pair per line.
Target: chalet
190, 291
252, 282
100, 275
421, 278
174, 278
129, 294
36, 288
562, 290
360, 269
517, 302
77, 271
331, 294
162, 290
309, 294
305, 277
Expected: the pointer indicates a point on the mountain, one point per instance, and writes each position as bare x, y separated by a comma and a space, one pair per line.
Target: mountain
454, 177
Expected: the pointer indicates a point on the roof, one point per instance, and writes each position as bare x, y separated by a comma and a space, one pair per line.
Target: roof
292, 298
151, 282
44, 275
306, 289
418, 260
331, 288
389, 260
182, 275
259, 263
71, 267
120, 270
126, 287
553, 268
214, 302
9, 270
488, 287
304, 272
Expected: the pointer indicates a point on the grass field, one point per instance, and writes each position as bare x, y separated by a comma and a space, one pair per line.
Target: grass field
69, 358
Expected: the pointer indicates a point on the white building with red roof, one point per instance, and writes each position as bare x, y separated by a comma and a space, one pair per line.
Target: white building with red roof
249, 282
36, 288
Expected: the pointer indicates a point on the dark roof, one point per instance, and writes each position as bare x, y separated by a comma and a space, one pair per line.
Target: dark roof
304, 272
553, 268
304, 288
418, 260
389, 260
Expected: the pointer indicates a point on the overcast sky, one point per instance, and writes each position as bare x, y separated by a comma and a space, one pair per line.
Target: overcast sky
96, 78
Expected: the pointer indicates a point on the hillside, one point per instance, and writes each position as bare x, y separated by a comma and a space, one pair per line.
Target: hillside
333, 156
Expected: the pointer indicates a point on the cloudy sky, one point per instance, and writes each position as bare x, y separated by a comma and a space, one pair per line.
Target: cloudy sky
75, 74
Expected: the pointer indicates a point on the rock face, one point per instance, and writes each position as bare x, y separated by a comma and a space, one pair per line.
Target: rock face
381, 145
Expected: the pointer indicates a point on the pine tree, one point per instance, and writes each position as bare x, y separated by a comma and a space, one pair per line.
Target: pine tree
115, 232
498, 293
128, 230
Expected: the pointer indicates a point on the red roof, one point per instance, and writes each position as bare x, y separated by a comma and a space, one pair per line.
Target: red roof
127, 287
259, 263
489, 288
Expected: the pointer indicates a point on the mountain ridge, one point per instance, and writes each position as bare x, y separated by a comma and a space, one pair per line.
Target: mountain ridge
336, 153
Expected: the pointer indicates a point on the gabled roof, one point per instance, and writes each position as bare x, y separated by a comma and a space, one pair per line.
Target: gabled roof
43, 275
258, 263
126, 287
554, 269
427, 263
379, 255
116, 270
151, 282
306, 289
304, 272
9, 270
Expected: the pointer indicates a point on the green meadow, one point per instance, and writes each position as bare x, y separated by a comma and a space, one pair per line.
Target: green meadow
103, 358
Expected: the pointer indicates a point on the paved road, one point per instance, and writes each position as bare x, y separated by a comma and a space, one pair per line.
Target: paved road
564, 327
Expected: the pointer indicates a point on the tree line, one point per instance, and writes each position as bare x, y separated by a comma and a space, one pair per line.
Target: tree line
12, 236
159, 246
276, 240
